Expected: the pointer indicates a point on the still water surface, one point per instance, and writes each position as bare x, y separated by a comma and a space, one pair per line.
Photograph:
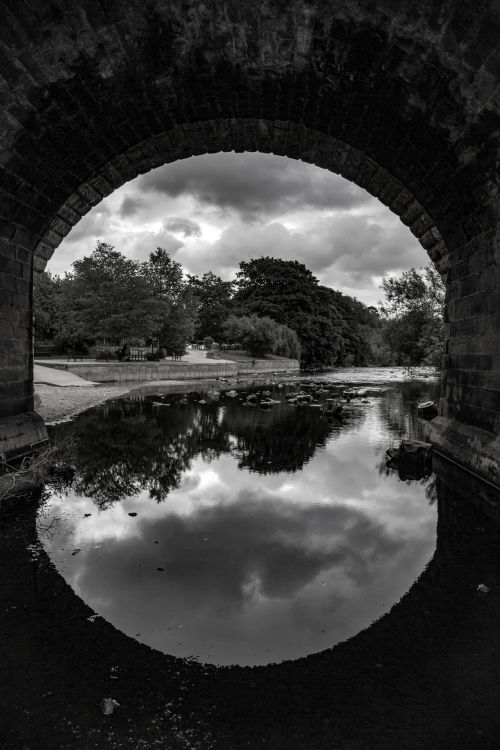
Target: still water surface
234, 535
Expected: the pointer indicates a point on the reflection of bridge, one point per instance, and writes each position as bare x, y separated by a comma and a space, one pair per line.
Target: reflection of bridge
404, 104
427, 674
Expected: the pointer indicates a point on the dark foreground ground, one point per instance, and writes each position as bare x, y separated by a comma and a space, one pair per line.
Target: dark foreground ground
427, 675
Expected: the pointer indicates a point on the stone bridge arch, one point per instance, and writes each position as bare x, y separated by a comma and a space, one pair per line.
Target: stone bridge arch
401, 99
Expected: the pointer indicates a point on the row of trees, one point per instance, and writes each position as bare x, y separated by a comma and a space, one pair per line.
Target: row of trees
272, 306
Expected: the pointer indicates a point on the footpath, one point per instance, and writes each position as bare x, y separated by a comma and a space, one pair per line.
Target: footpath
64, 378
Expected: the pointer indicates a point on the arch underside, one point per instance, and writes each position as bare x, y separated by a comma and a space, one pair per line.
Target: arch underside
402, 101
283, 138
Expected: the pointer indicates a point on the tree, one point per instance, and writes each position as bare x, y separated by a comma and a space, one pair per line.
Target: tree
413, 313
288, 344
288, 292
109, 296
213, 297
179, 324
260, 335
412, 291
46, 305
165, 275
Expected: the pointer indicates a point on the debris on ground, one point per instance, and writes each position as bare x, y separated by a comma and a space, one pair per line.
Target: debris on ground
108, 706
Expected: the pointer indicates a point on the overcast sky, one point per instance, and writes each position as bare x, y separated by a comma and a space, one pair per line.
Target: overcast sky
212, 211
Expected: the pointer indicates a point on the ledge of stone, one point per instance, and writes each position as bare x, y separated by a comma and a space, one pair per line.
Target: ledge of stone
471, 447
21, 435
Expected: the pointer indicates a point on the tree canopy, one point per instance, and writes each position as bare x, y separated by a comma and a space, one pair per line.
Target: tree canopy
261, 335
272, 307
213, 297
290, 294
413, 316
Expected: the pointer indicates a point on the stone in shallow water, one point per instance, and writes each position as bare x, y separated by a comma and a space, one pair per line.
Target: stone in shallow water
413, 459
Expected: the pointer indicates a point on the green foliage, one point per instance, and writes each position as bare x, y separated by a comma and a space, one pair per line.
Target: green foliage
261, 336
46, 305
109, 296
412, 291
179, 324
287, 292
164, 276
413, 316
258, 335
213, 297
288, 344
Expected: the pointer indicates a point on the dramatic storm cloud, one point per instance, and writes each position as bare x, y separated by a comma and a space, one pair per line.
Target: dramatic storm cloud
210, 212
254, 184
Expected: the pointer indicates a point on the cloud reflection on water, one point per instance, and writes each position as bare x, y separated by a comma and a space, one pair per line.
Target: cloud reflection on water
253, 572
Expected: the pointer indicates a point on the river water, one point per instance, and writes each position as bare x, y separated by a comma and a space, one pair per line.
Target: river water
229, 534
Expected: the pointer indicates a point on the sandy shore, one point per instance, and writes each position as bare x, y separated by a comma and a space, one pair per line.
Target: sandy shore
62, 403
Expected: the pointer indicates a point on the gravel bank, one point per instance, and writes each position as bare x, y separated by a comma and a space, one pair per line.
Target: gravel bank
63, 403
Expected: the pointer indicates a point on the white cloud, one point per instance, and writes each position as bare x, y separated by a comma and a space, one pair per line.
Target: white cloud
210, 212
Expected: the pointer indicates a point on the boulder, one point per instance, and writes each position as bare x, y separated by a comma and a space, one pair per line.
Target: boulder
332, 407
427, 410
413, 459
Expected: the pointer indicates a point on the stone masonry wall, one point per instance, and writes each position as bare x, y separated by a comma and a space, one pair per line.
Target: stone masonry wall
126, 372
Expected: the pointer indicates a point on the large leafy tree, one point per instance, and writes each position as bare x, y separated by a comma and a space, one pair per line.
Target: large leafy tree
213, 299
261, 336
413, 313
164, 275
287, 292
178, 325
109, 296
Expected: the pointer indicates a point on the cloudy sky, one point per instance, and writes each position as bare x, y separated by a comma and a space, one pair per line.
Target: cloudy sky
212, 211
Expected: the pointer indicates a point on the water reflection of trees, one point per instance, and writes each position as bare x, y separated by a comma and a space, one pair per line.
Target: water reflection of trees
404, 421
279, 440
123, 448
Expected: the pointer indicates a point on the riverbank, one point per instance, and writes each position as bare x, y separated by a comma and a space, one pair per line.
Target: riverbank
61, 403
188, 368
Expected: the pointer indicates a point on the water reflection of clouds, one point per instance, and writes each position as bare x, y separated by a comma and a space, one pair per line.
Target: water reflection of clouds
251, 575
253, 568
